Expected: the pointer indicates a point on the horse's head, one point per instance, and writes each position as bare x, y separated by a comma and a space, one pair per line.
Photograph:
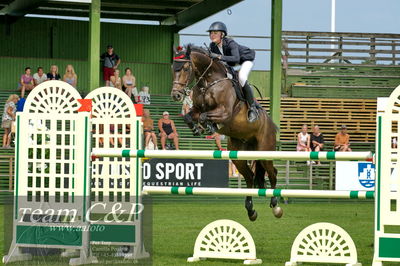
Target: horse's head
195, 62
183, 75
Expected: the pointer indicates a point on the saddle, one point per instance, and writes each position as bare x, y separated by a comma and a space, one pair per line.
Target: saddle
233, 75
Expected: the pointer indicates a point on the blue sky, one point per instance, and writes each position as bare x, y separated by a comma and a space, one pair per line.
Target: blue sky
252, 18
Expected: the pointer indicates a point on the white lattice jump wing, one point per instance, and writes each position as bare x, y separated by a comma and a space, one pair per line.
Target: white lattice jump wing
225, 239
323, 243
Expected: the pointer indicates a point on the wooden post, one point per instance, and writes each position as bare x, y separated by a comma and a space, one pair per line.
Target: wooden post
94, 45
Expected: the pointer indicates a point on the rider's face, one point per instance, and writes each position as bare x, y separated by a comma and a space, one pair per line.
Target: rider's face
216, 36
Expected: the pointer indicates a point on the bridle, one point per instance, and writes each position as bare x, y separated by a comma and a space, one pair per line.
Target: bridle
186, 90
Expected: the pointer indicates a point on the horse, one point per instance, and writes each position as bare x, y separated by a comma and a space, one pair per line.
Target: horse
216, 106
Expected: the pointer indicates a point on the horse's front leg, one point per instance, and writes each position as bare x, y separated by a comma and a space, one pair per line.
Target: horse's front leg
217, 115
190, 119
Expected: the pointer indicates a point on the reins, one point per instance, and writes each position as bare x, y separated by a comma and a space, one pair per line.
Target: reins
186, 90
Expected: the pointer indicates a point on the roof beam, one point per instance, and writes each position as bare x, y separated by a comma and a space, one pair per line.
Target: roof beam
198, 12
179, 5
85, 14
19, 8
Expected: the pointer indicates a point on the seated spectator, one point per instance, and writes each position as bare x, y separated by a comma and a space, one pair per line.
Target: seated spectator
167, 130
342, 140
187, 103
70, 77
53, 74
8, 118
217, 138
148, 129
26, 82
317, 141
115, 80
21, 104
394, 143
144, 96
303, 140
39, 77
129, 82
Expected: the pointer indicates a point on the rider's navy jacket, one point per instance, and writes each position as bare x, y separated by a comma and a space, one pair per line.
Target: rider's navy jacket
234, 53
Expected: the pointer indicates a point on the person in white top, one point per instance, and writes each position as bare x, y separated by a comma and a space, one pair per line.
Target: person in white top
187, 103
39, 77
144, 96
303, 140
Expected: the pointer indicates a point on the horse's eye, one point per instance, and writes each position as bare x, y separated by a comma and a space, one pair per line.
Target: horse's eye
186, 69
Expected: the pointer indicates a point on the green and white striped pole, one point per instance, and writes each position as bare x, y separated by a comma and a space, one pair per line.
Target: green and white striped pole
235, 155
287, 193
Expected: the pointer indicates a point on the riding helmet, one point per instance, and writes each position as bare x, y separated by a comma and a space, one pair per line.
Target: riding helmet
218, 26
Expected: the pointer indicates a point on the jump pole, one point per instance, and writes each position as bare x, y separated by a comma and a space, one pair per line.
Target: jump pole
235, 155
290, 193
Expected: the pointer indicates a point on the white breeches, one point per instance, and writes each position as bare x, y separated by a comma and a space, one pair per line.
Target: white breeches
245, 71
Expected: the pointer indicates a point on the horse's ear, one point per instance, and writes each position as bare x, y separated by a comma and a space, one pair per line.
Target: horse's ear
188, 50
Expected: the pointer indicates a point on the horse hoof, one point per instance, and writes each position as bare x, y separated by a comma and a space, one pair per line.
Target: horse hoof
277, 211
253, 217
274, 202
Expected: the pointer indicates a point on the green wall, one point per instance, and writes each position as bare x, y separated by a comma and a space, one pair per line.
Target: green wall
34, 42
261, 80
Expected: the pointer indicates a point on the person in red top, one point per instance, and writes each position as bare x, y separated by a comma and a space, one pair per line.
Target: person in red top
111, 62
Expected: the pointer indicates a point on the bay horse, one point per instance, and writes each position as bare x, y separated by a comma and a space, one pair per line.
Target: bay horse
216, 106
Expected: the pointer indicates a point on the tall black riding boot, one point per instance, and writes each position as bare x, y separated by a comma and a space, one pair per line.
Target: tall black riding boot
252, 114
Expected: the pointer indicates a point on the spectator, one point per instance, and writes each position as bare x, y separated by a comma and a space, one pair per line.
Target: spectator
53, 74
217, 138
70, 77
187, 103
111, 62
167, 130
8, 118
342, 140
317, 141
26, 81
394, 143
115, 80
303, 140
148, 129
39, 77
21, 104
144, 95
129, 82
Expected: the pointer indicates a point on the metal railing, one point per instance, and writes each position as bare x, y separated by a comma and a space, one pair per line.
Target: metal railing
340, 47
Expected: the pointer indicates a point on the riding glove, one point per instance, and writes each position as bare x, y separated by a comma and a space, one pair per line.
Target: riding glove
215, 56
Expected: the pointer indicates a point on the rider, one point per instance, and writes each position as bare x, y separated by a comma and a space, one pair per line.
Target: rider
226, 49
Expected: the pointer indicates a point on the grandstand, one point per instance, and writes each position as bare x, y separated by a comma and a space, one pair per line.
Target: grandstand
322, 86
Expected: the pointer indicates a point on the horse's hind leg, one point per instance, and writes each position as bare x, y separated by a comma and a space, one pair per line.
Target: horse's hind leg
272, 173
245, 170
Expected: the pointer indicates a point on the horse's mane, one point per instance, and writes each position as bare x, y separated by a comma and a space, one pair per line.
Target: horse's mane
193, 48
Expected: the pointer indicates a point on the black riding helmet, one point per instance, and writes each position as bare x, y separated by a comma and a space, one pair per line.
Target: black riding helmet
218, 26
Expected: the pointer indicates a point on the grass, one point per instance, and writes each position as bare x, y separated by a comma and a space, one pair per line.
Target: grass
178, 220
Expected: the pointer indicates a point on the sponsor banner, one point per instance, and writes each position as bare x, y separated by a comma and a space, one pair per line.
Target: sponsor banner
355, 176
186, 173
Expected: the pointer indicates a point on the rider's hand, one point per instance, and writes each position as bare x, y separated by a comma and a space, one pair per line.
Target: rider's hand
215, 56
